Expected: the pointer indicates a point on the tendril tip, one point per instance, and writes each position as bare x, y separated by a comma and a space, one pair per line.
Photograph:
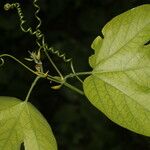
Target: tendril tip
2, 62
7, 6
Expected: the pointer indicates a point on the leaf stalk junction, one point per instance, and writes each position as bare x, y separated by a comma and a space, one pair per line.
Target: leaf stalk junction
36, 56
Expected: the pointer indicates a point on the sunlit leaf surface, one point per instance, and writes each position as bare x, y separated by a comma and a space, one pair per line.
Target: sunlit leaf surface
21, 122
120, 82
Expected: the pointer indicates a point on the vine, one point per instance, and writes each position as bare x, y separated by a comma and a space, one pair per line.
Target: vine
35, 56
114, 89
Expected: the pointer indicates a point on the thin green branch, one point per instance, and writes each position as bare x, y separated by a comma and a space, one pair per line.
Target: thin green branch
17, 60
42, 75
71, 75
72, 68
39, 35
51, 78
74, 88
63, 82
53, 64
31, 88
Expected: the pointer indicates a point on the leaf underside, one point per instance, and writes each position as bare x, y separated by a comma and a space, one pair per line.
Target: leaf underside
120, 82
21, 122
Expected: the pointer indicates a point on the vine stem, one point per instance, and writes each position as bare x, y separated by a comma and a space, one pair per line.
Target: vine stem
72, 68
53, 64
75, 75
67, 85
73, 88
7, 55
42, 75
31, 88
71, 75
39, 35
49, 77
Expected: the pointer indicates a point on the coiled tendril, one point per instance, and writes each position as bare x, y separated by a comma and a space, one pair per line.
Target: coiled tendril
2, 62
37, 32
40, 41
44, 45
36, 13
60, 55
22, 20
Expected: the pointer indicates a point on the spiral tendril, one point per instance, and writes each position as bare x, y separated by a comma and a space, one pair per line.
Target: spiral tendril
36, 14
37, 32
40, 41
2, 62
57, 52
44, 45
8, 6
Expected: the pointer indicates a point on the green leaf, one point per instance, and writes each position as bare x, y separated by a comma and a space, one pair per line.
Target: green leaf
21, 122
119, 85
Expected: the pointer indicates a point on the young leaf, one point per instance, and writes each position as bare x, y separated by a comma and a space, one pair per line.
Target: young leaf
21, 122
120, 82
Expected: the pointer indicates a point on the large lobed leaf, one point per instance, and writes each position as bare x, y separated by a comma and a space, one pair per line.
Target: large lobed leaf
119, 85
21, 122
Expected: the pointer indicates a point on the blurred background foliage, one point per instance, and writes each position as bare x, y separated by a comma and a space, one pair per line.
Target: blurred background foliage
71, 26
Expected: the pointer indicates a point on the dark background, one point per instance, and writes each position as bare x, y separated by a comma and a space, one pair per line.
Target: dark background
71, 26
